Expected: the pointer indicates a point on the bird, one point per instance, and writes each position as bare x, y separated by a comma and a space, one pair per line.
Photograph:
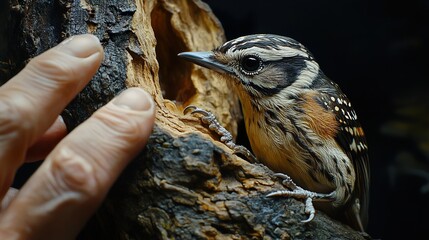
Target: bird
299, 123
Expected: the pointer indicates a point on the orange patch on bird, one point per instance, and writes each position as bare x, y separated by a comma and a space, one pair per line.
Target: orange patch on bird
360, 132
321, 121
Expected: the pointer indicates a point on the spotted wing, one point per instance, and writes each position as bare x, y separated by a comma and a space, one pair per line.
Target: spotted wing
351, 139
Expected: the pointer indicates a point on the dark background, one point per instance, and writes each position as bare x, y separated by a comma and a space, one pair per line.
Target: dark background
377, 51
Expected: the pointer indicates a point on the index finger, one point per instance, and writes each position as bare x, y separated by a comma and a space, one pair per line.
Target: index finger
31, 101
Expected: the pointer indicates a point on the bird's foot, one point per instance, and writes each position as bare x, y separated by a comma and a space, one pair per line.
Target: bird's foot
299, 193
225, 136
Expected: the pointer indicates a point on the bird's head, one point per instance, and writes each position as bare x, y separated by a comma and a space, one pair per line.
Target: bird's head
261, 65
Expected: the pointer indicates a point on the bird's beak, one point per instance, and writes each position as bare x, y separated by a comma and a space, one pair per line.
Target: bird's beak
206, 59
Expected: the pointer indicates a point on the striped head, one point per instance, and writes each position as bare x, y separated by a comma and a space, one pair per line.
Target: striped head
262, 65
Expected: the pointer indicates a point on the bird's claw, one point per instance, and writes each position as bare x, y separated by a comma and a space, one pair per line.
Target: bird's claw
195, 109
309, 210
225, 136
210, 119
238, 149
287, 181
300, 193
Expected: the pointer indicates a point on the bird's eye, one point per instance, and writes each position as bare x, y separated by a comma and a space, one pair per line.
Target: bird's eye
251, 65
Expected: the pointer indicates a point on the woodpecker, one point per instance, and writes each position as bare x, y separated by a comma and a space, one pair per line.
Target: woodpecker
298, 121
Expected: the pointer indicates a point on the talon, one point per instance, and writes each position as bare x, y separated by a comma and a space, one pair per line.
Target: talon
309, 219
300, 193
282, 176
195, 109
309, 209
225, 136
274, 194
244, 151
190, 107
287, 181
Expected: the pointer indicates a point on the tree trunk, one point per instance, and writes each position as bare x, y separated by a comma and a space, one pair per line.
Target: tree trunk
185, 184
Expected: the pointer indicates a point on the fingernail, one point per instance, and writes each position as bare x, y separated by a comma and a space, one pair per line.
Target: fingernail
81, 46
135, 99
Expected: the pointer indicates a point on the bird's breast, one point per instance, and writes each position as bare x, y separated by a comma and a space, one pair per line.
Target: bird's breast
278, 144
280, 151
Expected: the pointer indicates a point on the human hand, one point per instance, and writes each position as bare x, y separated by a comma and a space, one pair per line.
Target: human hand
80, 168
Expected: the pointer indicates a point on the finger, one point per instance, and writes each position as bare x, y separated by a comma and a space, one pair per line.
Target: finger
31, 101
10, 195
60, 197
44, 145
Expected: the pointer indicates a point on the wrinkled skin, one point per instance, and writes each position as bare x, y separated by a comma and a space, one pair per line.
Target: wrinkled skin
79, 167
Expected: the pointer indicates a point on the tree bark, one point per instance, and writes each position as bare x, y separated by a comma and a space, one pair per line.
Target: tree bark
185, 184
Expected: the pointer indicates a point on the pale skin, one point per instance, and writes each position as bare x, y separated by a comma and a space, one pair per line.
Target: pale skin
79, 167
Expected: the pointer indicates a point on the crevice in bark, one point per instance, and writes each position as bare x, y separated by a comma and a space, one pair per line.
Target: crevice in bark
174, 74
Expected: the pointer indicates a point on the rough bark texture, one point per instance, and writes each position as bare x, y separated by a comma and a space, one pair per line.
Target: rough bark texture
185, 184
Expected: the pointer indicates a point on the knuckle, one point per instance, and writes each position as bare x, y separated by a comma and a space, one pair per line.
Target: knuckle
14, 120
118, 125
57, 70
73, 173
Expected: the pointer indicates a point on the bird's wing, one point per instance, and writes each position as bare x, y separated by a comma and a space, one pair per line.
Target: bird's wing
351, 138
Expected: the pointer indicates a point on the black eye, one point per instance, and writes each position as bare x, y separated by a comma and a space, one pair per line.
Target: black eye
251, 65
